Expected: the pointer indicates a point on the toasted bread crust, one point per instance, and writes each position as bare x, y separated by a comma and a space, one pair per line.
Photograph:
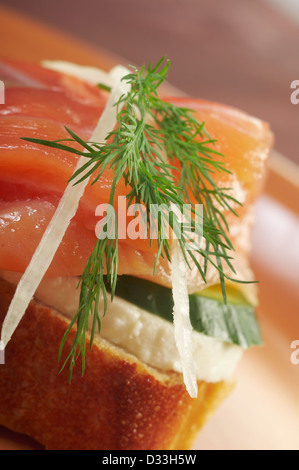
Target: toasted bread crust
119, 403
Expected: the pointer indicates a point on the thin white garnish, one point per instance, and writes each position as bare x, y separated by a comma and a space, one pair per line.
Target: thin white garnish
181, 319
65, 211
92, 75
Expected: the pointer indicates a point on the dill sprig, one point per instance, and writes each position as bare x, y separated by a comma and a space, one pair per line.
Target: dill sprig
151, 140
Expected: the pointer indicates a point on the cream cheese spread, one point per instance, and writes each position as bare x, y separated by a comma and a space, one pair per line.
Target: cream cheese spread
146, 336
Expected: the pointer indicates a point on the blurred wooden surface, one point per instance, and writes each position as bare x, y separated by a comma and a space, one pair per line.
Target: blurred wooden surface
242, 53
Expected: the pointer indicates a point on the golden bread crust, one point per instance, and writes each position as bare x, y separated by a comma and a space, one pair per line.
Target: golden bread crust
119, 403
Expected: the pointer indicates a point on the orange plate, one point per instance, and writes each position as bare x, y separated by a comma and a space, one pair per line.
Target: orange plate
263, 410
262, 413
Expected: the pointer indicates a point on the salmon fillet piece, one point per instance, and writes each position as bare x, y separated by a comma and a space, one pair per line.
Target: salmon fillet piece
34, 177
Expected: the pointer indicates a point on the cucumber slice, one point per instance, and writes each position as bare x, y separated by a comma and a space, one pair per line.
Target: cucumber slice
234, 322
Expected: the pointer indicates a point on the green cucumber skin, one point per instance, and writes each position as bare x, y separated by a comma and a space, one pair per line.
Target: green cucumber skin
232, 322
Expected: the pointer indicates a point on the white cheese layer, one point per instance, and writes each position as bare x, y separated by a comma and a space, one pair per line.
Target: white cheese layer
147, 336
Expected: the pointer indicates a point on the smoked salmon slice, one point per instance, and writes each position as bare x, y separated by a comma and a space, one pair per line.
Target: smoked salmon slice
39, 104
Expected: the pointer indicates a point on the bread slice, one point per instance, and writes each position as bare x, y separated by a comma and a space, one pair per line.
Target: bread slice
119, 403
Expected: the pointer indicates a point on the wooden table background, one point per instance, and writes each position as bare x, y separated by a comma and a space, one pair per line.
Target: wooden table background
238, 52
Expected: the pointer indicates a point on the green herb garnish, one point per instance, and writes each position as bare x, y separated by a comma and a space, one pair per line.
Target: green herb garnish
151, 136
